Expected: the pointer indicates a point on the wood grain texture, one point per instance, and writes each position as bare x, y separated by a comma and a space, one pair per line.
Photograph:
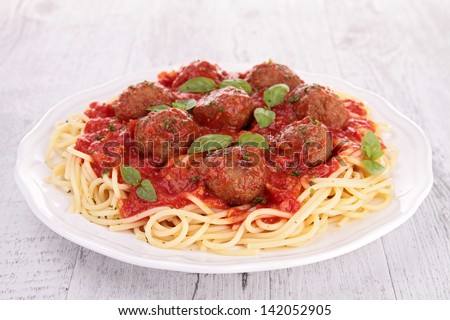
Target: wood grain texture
399, 49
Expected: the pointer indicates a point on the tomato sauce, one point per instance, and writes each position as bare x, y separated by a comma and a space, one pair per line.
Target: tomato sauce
109, 141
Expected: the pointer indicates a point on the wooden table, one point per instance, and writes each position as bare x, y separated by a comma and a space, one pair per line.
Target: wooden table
52, 49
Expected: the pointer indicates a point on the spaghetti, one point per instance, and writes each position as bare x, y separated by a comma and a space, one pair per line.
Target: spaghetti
347, 191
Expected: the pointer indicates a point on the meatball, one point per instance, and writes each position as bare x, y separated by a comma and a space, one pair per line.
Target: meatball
267, 74
309, 141
320, 103
237, 175
166, 133
227, 107
199, 69
132, 103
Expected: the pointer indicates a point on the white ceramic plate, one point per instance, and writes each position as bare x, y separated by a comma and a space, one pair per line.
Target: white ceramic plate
412, 182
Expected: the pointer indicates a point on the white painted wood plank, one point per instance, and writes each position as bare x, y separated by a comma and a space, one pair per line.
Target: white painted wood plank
46, 56
351, 276
420, 252
408, 64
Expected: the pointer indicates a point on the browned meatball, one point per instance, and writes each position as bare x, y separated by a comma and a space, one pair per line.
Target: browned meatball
320, 103
267, 74
165, 133
132, 103
307, 140
199, 69
236, 175
228, 107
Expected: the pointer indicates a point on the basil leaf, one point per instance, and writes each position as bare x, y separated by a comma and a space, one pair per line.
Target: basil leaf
275, 94
146, 191
130, 175
293, 99
371, 146
178, 106
158, 108
264, 117
237, 83
200, 84
184, 104
259, 200
210, 142
253, 139
373, 167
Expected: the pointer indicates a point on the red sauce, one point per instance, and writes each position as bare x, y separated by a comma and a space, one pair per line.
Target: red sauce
237, 215
167, 78
109, 142
271, 220
97, 110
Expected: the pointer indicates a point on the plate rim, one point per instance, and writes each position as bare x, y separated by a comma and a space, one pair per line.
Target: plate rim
196, 267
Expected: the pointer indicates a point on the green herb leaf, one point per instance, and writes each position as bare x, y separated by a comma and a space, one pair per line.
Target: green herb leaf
253, 139
111, 127
178, 106
146, 191
200, 84
237, 83
264, 117
259, 200
293, 99
130, 175
99, 137
158, 108
210, 142
195, 179
105, 171
373, 167
371, 146
275, 94
184, 104
295, 173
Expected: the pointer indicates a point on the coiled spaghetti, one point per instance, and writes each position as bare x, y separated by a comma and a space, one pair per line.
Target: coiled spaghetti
348, 193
